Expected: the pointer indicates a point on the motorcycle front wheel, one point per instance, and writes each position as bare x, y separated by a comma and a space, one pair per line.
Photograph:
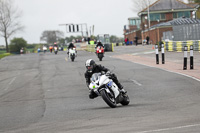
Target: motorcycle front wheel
72, 58
100, 56
108, 99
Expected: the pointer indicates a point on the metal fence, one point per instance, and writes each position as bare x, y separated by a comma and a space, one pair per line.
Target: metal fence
168, 35
186, 32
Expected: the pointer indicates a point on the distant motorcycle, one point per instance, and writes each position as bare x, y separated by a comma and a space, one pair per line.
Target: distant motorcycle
103, 86
100, 52
55, 50
72, 53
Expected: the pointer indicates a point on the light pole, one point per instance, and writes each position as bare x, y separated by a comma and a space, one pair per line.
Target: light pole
148, 13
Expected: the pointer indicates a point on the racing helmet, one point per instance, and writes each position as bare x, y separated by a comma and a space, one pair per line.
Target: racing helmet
90, 64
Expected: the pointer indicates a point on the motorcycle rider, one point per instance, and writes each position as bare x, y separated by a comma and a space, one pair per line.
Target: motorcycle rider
99, 44
71, 45
92, 67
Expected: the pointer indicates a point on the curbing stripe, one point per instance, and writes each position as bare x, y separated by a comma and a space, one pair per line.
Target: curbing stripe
179, 45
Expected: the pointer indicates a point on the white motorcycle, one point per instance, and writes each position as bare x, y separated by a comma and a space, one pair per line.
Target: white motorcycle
55, 50
103, 86
72, 53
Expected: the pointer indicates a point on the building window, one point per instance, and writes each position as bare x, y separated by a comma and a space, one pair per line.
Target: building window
181, 14
132, 22
143, 19
135, 22
162, 16
157, 16
175, 15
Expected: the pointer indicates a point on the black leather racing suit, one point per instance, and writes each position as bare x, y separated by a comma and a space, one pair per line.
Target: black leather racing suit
71, 45
97, 69
99, 44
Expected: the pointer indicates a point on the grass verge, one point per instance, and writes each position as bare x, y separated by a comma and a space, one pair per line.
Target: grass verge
4, 54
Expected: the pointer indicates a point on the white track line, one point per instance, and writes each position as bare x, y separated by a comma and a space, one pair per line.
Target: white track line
137, 83
10, 83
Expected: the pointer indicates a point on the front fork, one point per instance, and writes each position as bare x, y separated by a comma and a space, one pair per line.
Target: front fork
108, 91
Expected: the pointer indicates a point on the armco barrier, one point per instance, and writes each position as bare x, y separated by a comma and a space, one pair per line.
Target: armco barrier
179, 45
117, 44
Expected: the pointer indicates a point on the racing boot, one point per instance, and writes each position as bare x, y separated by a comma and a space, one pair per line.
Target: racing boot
121, 88
92, 94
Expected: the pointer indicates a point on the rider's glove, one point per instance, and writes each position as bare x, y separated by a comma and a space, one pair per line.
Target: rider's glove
102, 72
108, 73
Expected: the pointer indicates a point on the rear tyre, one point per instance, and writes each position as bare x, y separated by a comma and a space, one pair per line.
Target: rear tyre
108, 99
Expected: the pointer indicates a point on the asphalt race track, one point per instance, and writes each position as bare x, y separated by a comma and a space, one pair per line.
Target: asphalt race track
46, 93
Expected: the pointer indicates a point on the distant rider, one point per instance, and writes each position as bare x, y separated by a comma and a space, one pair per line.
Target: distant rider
92, 67
99, 44
71, 45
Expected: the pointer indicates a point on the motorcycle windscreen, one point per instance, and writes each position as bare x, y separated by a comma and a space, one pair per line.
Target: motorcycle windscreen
95, 77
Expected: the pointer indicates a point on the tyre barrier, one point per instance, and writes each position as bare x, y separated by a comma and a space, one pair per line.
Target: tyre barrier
179, 45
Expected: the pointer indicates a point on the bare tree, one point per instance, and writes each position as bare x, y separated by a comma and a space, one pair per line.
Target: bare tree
139, 5
51, 36
9, 20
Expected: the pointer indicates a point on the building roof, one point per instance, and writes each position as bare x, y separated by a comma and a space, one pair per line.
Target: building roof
181, 21
162, 5
178, 21
133, 18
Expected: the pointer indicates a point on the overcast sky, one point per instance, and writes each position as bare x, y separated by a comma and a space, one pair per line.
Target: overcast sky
107, 16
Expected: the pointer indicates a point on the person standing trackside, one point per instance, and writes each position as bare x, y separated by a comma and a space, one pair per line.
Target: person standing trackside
88, 39
147, 39
22, 50
136, 40
125, 40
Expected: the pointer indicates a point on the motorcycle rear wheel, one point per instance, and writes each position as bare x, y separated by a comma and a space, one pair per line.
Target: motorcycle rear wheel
109, 100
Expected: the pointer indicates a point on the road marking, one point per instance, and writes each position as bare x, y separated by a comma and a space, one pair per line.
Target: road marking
10, 83
66, 59
136, 82
12, 80
168, 129
148, 52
